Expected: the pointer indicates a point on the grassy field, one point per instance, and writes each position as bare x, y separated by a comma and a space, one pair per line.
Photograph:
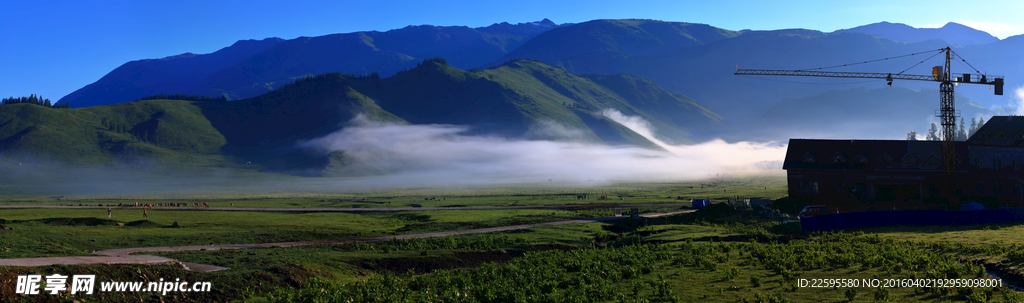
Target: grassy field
715, 255
267, 190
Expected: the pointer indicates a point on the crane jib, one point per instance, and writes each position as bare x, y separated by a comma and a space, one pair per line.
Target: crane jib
936, 77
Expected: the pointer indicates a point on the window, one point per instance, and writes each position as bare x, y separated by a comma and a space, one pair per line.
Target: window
885, 158
980, 187
809, 187
861, 159
997, 188
839, 158
908, 160
1016, 165
979, 162
996, 164
932, 190
809, 158
1016, 189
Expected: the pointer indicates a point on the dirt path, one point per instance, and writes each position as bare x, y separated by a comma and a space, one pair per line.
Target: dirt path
349, 209
124, 255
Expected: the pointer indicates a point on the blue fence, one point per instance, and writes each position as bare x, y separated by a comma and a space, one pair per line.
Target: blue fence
911, 217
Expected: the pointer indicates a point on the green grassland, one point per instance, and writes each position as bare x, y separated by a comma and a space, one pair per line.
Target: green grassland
253, 189
49, 232
714, 255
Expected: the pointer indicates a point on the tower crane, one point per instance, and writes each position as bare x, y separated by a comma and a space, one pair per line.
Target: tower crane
942, 74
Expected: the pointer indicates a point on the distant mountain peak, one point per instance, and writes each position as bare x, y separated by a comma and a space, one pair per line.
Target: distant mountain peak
951, 32
185, 55
954, 24
546, 23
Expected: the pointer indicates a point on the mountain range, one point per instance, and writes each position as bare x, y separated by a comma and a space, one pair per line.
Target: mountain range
250, 68
510, 80
952, 32
693, 59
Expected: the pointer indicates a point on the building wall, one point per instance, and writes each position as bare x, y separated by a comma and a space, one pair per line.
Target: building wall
875, 190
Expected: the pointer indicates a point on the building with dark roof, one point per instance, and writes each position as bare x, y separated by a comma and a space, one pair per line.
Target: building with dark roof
860, 175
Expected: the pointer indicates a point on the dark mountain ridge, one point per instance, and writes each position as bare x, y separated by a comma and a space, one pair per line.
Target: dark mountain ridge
250, 68
173, 74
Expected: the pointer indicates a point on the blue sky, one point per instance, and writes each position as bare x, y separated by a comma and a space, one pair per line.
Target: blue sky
52, 48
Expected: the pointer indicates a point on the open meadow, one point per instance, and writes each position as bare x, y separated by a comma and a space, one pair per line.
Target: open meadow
717, 254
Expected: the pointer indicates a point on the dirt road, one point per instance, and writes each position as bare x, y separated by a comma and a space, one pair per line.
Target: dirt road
355, 210
124, 255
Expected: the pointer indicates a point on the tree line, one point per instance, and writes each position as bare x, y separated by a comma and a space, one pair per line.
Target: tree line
960, 135
33, 99
183, 97
306, 78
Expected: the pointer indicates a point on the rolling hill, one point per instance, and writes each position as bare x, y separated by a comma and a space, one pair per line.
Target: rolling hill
167, 131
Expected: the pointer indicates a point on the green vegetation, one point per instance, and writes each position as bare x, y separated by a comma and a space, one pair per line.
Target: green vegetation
173, 132
78, 232
32, 99
717, 254
182, 97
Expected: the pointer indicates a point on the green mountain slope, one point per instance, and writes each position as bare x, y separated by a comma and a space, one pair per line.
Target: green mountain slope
306, 109
515, 97
166, 130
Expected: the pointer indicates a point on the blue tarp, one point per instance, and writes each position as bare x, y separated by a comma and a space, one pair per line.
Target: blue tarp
973, 206
911, 217
699, 203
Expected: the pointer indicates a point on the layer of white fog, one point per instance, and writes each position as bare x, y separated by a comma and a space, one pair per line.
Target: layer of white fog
443, 155
411, 155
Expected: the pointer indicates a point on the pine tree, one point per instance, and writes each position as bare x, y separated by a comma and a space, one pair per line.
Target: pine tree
974, 128
961, 135
932, 133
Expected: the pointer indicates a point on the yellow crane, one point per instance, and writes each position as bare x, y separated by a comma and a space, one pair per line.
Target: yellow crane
942, 74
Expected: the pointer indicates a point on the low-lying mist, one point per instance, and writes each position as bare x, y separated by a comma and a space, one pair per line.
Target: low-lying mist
411, 155
442, 155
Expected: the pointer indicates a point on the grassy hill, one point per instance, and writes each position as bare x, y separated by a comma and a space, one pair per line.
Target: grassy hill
166, 130
521, 99
515, 97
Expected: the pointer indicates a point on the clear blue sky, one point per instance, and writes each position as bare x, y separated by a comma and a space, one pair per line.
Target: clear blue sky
55, 47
